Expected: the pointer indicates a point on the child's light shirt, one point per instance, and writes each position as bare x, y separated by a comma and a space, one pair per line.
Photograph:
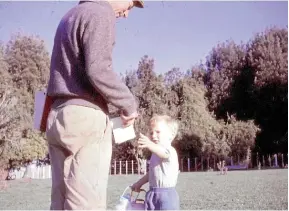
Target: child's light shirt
164, 172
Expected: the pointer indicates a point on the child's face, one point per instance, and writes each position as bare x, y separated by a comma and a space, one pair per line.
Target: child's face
160, 133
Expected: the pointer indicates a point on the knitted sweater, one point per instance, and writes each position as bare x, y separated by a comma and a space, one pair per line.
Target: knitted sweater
81, 71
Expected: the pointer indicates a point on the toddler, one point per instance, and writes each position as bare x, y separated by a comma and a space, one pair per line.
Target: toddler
164, 165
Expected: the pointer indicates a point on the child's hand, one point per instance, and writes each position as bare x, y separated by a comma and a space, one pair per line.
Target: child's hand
136, 187
144, 142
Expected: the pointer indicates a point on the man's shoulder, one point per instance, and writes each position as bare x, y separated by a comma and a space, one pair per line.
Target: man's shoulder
97, 9
87, 11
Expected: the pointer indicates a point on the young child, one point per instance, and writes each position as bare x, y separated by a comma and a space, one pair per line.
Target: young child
164, 165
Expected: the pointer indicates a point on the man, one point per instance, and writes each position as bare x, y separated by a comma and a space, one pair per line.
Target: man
81, 84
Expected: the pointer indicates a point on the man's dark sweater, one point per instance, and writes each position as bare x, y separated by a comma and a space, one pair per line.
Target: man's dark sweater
81, 70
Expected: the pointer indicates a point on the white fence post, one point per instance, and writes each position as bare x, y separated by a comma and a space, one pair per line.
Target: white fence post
120, 167
38, 172
145, 168
49, 172
114, 167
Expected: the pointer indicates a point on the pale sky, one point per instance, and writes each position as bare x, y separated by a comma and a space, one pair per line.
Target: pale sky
175, 34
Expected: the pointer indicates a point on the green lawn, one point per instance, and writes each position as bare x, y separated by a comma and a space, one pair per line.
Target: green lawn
259, 190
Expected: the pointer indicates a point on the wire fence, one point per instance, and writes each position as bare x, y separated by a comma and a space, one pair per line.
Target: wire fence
206, 164
120, 167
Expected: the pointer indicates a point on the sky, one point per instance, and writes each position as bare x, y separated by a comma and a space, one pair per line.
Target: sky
174, 33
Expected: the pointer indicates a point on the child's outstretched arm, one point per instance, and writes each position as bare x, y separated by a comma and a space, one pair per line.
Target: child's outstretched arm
137, 186
160, 151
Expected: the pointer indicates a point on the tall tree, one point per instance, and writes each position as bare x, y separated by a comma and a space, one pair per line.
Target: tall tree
250, 82
268, 59
225, 64
199, 130
28, 65
8, 110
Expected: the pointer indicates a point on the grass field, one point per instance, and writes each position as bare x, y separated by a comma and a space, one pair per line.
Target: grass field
258, 190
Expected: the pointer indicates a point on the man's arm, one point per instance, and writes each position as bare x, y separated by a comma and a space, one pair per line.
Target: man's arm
98, 40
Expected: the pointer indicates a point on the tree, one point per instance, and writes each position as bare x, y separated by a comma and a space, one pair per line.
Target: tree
250, 82
173, 76
268, 59
199, 130
28, 66
225, 64
240, 135
8, 110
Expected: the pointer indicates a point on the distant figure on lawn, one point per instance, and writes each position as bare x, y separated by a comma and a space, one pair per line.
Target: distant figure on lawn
221, 166
164, 165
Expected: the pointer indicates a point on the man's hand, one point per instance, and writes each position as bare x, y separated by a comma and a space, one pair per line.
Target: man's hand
144, 142
128, 120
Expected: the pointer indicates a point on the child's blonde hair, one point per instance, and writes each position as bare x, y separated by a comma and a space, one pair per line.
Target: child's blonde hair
171, 123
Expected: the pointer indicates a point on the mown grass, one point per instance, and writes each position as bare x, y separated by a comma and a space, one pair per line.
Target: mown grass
253, 190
